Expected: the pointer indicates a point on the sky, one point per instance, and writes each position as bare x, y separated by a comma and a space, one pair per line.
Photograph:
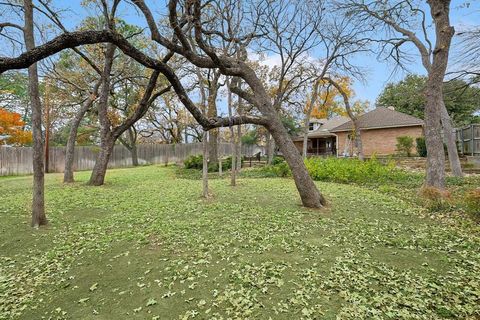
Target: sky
380, 73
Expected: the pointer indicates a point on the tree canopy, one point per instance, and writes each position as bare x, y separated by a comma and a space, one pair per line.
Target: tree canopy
462, 101
12, 129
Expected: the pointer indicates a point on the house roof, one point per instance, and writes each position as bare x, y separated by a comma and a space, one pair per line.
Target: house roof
324, 130
381, 118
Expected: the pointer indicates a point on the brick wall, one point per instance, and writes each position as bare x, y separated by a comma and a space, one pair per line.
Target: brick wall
380, 141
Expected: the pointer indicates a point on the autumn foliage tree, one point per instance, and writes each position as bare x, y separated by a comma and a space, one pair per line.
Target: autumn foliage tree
12, 128
330, 97
326, 104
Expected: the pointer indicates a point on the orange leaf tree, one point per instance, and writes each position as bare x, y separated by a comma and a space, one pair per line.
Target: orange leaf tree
11, 125
327, 103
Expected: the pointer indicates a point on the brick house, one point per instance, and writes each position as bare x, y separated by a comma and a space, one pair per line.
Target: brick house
379, 127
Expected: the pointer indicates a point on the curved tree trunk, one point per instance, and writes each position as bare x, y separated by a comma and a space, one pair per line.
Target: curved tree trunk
38, 202
450, 140
106, 140
72, 137
110, 136
100, 169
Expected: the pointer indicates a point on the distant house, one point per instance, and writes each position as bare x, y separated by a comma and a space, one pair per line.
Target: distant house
379, 128
321, 141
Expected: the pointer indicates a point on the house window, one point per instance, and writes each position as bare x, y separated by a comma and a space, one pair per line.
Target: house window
310, 126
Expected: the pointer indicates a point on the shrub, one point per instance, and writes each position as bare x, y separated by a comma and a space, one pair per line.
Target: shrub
277, 159
281, 169
196, 162
472, 201
370, 172
405, 145
356, 171
226, 165
436, 199
421, 147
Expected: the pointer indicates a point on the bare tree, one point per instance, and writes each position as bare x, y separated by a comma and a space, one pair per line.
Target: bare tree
38, 204
72, 137
339, 41
398, 18
351, 115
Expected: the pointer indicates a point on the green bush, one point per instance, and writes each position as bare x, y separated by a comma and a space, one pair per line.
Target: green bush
281, 169
226, 165
421, 147
356, 171
277, 160
196, 162
370, 172
405, 145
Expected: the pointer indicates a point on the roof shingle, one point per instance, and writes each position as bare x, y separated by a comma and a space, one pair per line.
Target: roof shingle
381, 118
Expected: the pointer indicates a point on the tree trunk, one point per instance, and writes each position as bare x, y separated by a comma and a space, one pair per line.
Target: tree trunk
72, 137
305, 143
270, 148
435, 170
444, 32
38, 201
134, 153
450, 140
271, 151
205, 165
238, 145
358, 142
100, 169
47, 129
132, 135
107, 141
213, 134
308, 114
219, 155
238, 149
309, 193
233, 175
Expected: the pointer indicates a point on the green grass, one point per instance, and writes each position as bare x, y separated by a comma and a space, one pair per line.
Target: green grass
146, 246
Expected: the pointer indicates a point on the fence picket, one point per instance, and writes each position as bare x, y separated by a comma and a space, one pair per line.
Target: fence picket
18, 160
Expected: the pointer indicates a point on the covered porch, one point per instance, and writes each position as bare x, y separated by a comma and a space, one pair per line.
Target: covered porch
322, 146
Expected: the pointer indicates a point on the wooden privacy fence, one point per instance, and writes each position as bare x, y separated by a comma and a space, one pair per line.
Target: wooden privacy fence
18, 160
469, 140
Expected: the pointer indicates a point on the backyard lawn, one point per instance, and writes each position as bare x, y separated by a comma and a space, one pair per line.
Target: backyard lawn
146, 246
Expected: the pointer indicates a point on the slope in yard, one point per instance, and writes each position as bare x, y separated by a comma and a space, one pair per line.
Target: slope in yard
146, 246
